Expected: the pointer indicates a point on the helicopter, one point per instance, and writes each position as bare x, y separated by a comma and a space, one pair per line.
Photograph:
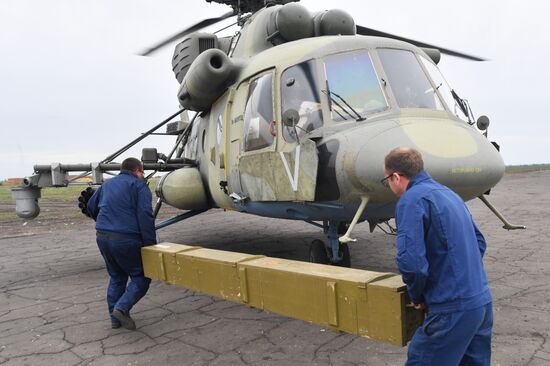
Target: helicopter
293, 116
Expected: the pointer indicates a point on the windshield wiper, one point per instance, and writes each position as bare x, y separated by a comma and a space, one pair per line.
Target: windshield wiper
330, 93
461, 103
330, 101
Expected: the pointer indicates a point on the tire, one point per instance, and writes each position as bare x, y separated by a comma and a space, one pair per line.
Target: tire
346, 257
318, 252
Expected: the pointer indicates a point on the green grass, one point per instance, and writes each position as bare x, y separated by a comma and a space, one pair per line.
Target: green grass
153, 184
5, 194
525, 168
7, 215
63, 194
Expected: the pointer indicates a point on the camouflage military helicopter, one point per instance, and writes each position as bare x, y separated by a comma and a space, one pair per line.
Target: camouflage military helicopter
293, 117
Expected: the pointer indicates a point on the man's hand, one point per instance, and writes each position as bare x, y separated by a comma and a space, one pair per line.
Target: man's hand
420, 306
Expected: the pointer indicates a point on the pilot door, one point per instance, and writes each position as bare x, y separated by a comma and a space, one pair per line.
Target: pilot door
264, 169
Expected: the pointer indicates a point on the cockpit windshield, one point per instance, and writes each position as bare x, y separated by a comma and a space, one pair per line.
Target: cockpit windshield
410, 85
353, 86
355, 90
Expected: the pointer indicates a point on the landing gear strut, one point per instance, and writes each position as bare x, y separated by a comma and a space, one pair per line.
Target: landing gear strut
338, 233
332, 252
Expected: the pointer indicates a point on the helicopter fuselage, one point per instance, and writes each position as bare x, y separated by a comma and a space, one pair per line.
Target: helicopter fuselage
356, 98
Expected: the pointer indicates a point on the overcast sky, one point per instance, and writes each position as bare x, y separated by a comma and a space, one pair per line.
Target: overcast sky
72, 88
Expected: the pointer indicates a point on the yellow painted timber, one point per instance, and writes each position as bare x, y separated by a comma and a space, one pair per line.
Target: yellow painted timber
212, 271
396, 319
159, 261
321, 294
365, 303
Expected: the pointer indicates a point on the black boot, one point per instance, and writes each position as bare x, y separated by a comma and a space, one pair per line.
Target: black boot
125, 320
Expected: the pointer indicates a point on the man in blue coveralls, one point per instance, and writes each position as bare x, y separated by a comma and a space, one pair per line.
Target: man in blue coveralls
124, 219
439, 254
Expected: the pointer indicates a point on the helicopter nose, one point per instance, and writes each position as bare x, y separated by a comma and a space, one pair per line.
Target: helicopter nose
455, 154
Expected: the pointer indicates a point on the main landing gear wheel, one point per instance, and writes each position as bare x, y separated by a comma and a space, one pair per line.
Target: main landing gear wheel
318, 252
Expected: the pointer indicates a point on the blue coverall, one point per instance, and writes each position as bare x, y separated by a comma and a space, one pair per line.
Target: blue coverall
124, 223
440, 257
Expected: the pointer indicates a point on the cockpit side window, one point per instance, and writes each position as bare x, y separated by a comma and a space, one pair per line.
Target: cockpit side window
299, 91
444, 89
407, 80
258, 114
353, 86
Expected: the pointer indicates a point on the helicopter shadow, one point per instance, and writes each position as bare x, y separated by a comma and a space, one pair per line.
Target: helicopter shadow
279, 238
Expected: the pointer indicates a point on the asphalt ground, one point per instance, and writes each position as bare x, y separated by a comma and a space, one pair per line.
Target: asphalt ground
53, 284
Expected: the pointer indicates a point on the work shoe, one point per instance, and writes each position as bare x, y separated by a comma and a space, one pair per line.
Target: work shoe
115, 325
125, 320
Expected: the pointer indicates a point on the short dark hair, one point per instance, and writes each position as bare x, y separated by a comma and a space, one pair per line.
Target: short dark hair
404, 160
131, 164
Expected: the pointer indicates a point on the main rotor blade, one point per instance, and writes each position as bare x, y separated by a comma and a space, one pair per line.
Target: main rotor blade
191, 29
373, 32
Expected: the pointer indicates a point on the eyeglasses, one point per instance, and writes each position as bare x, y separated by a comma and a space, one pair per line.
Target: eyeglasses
385, 182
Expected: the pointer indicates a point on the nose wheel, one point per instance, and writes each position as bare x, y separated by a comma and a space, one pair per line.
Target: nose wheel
346, 257
319, 252
336, 252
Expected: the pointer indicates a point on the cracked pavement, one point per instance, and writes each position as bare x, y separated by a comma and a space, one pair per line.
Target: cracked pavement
53, 283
